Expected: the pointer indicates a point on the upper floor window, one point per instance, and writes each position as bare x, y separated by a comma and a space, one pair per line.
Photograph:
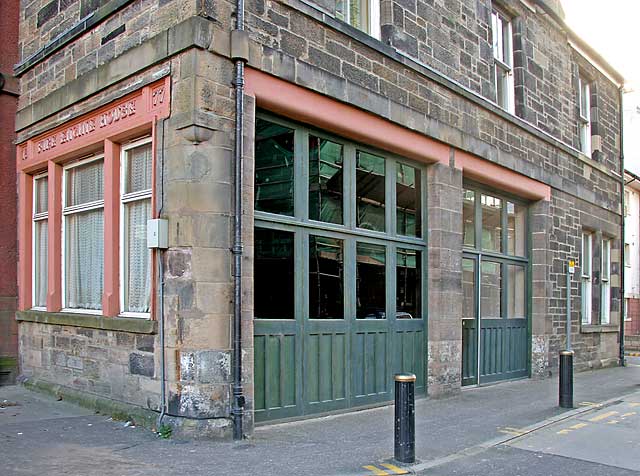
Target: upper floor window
361, 14
503, 60
584, 101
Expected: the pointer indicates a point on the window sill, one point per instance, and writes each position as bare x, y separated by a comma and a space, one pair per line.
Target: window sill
91, 321
598, 328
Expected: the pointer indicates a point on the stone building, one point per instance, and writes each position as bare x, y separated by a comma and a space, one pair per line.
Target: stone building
631, 260
9, 12
415, 176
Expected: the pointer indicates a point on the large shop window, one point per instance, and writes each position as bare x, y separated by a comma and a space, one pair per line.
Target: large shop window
83, 231
135, 284
355, 218
40, 240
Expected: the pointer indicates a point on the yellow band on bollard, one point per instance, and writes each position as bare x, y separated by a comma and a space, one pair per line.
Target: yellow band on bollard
566, 352
404, 378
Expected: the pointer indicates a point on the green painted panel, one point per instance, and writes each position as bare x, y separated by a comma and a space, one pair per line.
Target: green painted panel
289, 371
311, 387
258, 372
381, 372
469, 352
272, 371
357, 364
338, 366
369, 363
325, 378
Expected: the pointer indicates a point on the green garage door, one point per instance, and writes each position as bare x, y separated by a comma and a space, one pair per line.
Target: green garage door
338, 273
495, 328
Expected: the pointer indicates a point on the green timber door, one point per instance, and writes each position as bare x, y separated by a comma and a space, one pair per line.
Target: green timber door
338, 273
495, 330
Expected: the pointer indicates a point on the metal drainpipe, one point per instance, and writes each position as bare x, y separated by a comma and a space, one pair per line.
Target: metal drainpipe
239, 54
622, 227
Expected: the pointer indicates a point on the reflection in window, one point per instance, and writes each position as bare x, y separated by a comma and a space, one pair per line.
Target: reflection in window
469, 217
408, 209
325, 180
491, 290
370, 191
408, 284
326, 278
273, 274
491, 223
274, 146
516, 229
516, 292
370, 281
468, 289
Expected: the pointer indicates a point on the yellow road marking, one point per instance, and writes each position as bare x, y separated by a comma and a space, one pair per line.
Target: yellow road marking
634, 404
612, 422
578, 426
624, 415
603, 416
511, 431
376, 471
394, 468
587, 404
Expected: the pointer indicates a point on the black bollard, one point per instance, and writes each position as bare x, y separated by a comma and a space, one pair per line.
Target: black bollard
566, 379
405, 422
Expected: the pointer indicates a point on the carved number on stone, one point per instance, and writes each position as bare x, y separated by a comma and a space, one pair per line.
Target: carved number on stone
157, 97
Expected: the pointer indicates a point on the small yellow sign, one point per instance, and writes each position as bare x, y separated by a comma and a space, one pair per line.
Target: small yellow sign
572, 266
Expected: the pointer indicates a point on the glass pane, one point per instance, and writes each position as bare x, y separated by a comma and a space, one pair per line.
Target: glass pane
41, 264
606, 259
84, 233
355, 13
274, 168
491, 223
502, 86
516, 229
138, 171
325, 180
468, 289
137, 257
370, 281
370, 191
408, 203
85, 183
586, 254
516, 298
326, 278
273, 269
469, 217
408, 284
491, 290
41, 195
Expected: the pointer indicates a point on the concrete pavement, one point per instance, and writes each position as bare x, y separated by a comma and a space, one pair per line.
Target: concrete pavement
42, 436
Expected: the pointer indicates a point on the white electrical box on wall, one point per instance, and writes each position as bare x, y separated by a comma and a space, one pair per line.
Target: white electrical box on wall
157, 233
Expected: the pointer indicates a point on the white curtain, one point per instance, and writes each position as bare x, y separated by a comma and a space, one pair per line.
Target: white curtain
85, 259
139, 169
41, 262
138, 285
85, 238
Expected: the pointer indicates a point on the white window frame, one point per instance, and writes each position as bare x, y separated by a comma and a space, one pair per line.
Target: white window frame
605, 282
584, 106
502, 44
625, 310
372, 8
124, 199
37, 217
585, 278
97, 204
